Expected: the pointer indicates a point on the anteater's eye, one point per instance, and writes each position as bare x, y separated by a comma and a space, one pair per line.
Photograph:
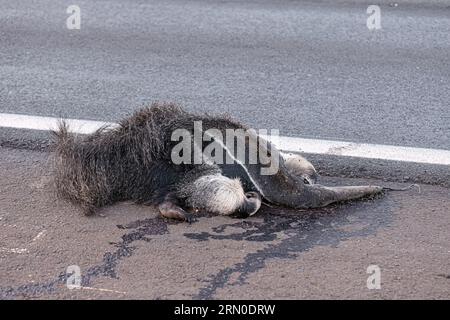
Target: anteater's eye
305, 181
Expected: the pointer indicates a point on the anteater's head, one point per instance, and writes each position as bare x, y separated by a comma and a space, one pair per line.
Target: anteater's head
302, 168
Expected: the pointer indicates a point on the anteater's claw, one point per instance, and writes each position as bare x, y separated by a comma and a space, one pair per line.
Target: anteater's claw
189, 218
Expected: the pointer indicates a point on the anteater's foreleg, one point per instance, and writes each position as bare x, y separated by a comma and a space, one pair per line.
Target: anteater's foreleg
169, 208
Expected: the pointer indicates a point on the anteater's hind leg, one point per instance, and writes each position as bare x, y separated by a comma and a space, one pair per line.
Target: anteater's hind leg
170, 208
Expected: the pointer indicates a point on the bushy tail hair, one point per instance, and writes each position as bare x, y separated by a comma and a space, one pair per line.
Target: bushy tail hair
62, 136
67, 179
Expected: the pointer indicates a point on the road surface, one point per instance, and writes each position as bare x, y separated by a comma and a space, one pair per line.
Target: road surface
130, 253
310, 69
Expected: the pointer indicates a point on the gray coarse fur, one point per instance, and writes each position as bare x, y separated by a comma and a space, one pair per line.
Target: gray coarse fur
128, 162
133, 162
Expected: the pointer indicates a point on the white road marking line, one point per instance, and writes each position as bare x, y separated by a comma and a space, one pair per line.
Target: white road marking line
14, 250
39, 235
101, 289
364, 150
286, 144
20, 121
22, 250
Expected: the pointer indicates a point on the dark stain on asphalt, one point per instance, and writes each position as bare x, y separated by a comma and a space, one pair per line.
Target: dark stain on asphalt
304, 230
141, 230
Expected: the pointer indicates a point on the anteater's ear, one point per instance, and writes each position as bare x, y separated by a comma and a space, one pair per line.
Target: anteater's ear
300, 167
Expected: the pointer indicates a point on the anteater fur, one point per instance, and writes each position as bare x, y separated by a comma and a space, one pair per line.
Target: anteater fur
132, 161
129, 162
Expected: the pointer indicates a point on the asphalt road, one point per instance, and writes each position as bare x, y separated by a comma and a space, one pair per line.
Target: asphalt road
128, 252
307, 68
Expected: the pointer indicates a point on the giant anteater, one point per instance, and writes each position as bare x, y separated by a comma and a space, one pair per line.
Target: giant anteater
133, 161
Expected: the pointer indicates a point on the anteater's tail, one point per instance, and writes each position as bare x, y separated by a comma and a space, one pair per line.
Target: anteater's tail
63, 142
62, 138
68, 170
61, 134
